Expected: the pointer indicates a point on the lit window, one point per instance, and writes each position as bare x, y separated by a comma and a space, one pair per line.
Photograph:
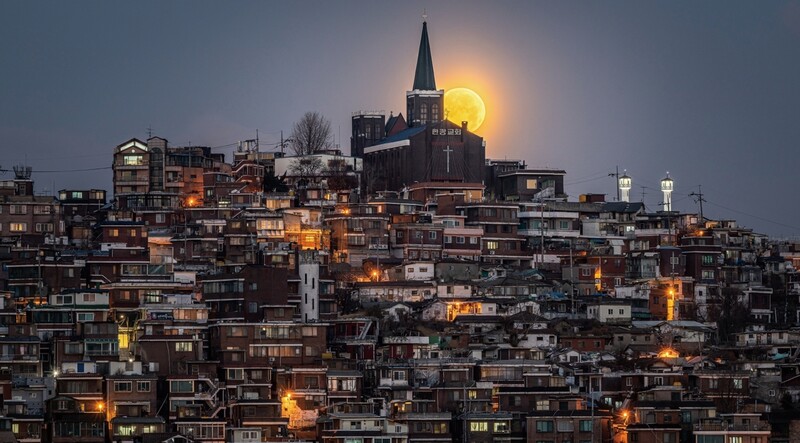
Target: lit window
133, 160
478, 426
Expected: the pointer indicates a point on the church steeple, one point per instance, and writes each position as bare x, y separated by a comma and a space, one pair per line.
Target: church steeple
423, 78
424, 103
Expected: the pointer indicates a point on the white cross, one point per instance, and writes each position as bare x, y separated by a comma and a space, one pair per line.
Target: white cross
447, 151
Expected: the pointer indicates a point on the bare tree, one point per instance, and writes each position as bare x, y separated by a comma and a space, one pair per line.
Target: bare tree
339, 177
310, 134
306, 167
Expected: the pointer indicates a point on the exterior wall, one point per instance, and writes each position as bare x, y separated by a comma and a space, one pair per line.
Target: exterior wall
368, 130
29, 217
309, 288
557, 426
423, 157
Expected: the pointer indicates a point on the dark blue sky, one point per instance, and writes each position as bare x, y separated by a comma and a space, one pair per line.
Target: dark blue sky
709, 91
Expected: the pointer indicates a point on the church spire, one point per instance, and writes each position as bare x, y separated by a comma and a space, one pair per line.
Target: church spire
423, 78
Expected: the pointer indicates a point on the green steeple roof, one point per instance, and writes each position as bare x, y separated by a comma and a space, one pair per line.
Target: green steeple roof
423, 78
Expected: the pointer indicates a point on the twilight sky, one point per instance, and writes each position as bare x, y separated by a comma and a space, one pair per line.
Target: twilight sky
709, 91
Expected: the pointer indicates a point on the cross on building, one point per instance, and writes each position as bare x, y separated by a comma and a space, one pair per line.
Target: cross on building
447, 151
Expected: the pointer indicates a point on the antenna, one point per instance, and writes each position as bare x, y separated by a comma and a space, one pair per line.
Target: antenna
22, 172
149, 131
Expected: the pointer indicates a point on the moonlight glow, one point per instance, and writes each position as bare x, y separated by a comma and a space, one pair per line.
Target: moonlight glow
462, 104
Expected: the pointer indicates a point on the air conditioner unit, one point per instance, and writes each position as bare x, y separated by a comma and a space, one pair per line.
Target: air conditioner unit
491, 252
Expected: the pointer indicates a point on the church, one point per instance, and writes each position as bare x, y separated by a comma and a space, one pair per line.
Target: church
423, 147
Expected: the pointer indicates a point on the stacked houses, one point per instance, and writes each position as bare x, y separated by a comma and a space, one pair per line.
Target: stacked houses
197, 306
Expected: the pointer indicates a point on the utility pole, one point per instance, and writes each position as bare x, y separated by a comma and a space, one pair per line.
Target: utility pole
698, 198
591, 399
541, 227
616, 180
572, 280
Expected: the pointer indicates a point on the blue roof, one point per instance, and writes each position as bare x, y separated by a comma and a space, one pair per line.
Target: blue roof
404, 134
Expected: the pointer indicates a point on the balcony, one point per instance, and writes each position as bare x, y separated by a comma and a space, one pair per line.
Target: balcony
393, 383
733, 427
131, 180
123, 167
550, 233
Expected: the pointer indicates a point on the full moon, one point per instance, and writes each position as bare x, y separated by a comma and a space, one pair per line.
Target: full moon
463, 104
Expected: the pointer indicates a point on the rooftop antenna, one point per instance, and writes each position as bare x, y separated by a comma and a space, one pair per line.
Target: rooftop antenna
22, 172
149, 131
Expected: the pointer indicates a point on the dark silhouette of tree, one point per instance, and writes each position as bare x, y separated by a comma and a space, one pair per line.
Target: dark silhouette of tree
310, 134
338, 177
275, 184
786, 402
734, 315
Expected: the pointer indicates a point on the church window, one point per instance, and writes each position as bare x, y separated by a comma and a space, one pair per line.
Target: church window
435, 112
423, 112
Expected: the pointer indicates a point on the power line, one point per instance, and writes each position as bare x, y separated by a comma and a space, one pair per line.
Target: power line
63, 170
586, 180
754, 216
